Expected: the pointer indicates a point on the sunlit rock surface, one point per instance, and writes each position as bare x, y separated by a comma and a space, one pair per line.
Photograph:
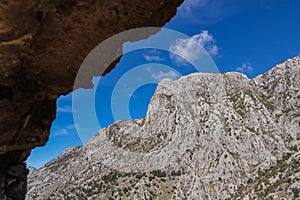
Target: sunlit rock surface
205, 136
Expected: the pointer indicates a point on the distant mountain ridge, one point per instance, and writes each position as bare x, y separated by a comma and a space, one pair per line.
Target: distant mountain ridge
205, 136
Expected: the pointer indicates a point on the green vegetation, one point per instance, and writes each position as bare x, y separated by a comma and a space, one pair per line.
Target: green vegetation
159, 173
139, 176
294, 148
125, 190
239, 111
112, 176
251, 129
283, 169
268, 105
162, 134
175, 173
296, 192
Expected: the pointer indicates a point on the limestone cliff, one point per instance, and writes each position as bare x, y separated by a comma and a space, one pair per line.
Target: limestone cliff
205, 136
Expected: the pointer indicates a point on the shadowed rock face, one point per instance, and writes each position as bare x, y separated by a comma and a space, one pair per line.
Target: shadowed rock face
42, 44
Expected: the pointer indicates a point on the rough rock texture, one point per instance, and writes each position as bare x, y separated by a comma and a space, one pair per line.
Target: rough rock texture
42, 44
205, 136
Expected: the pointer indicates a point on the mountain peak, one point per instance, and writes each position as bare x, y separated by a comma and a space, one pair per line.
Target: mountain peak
205, 136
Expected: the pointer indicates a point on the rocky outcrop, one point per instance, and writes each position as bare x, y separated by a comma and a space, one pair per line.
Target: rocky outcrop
42, 44
205, 136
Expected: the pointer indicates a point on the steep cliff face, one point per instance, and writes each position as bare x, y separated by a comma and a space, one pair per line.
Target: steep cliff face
42, 44
205, 136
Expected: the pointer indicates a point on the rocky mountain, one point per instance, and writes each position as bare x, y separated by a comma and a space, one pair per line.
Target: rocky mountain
205, 136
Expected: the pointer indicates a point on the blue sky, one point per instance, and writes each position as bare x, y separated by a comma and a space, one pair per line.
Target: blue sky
245, 36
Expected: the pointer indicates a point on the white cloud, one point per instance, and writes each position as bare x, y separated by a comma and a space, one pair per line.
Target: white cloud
151, 58
64, 131
162, 75
188, 5
72, 126
64, 109
60, 132
153, 55
190, 48
246, 67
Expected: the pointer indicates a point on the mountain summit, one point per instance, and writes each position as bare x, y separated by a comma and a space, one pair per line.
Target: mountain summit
205, 136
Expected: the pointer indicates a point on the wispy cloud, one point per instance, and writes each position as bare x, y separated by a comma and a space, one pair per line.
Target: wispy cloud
150, 58
190, 48
153, 56
188, 5
246, 67
64, 109
163, 75
64, 131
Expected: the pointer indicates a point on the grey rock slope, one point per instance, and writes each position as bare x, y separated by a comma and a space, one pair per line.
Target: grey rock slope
205, 136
